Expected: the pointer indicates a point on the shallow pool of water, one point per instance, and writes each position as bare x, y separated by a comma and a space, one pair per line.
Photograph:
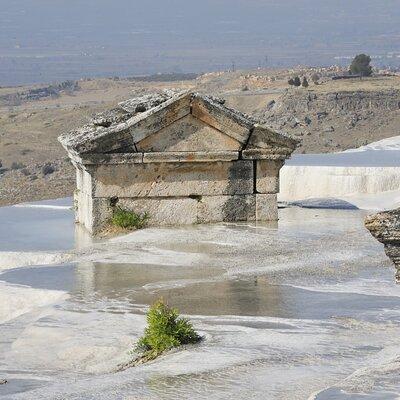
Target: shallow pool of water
304, 309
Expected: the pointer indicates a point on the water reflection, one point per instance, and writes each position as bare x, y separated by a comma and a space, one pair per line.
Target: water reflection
119, 281
40, 226
194, 290
260, 295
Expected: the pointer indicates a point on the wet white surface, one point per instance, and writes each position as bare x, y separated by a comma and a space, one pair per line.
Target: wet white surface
304, 309
37, 227
367, 177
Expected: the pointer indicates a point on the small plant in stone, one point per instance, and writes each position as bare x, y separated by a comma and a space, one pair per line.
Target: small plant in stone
128, 219
166, 330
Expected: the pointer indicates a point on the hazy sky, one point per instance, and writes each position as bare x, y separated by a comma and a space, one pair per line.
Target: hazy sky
162, 35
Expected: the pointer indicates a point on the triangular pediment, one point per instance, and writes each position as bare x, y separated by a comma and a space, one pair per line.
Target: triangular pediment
190, 123
185, 122
188, 134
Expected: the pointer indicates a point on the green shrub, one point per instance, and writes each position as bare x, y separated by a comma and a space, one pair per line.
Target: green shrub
296, 81
128, 219
165, 331
361, 65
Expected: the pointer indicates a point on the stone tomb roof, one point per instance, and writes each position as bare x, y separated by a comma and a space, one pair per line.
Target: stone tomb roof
174, 127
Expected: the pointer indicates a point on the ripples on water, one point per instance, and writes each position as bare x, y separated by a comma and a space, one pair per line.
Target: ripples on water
306, 309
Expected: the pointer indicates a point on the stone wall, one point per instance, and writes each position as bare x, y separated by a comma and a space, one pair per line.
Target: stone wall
177, 193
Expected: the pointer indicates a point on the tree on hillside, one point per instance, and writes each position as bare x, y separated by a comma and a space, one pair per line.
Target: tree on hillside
361, 65
304, 83
296, 81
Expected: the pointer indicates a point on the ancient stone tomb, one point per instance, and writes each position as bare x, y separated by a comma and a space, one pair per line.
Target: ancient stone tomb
182, 158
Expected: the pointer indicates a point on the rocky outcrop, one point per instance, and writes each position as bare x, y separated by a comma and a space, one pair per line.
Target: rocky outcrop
334, 121
385, 227
294, 107
51, 91
347, 101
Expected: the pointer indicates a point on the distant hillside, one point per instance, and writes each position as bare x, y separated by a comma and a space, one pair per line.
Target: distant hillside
330, 116
335, 121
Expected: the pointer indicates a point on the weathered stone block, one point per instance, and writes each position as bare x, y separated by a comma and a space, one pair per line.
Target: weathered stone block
84, 181
154, 120
185, 210
92, 213
198, 156
102, 140
101, 214
164, 211
188, 134
118, 158
95, 214
173, 179
216, 116
226, 208
267, 176
266, 207
263, 137
263, 154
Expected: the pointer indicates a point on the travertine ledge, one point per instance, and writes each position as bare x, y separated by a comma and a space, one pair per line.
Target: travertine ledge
385, 227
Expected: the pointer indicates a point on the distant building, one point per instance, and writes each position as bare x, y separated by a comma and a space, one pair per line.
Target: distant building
183, 158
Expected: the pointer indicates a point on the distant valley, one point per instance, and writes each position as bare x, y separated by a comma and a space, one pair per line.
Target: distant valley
48, 41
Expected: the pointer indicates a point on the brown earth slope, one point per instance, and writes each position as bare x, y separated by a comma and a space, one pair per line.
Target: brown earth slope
331, 116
